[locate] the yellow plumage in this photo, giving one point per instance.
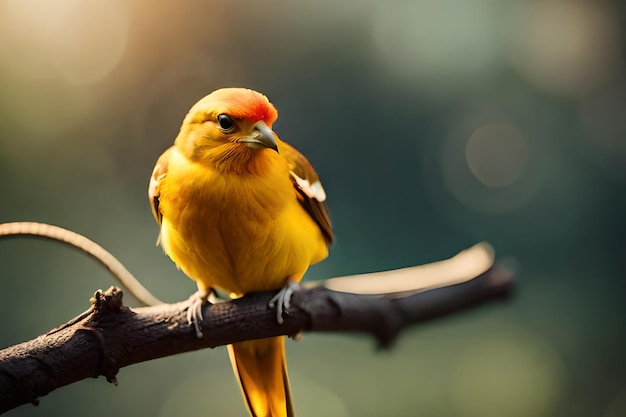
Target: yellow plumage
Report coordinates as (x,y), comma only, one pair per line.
(242,211)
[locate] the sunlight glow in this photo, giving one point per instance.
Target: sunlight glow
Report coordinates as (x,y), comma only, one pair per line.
(83,40)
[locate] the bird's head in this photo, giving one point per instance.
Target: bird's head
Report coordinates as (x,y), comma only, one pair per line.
(229,126)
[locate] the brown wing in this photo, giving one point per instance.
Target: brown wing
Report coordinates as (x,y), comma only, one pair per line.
(309,189)
(159,172)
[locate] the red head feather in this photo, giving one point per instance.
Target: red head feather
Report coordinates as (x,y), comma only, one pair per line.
(238,103)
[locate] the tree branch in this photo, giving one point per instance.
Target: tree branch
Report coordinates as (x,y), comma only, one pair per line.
(110,336)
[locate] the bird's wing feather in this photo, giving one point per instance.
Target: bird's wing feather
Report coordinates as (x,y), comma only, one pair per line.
(309,189)
(159,172)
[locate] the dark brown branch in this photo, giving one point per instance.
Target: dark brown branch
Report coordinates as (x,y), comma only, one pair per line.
(111,336)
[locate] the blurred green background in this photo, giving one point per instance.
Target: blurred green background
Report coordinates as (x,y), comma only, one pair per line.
(434,124)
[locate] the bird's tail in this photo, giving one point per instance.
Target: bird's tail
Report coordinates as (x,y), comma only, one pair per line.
(261,369)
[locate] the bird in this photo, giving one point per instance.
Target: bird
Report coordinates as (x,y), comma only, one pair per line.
(242,211)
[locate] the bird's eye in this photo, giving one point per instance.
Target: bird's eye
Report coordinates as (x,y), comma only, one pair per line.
(226,123)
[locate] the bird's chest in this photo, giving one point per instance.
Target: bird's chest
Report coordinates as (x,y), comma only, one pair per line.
(235,220)
(221,230)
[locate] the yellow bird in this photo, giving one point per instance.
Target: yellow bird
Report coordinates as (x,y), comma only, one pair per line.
(242,211)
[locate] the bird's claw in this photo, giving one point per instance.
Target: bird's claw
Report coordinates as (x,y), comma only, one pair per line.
(282,299)
(194,312)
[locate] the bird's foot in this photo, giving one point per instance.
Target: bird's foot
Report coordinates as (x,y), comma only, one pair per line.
(194,312)
(282,299)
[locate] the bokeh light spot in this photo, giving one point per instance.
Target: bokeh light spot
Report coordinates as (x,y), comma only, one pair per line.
(514,376)
(566,47)
(438,44)
(90,40)
(486,164)
(497,154)
(314,399)
(82,40)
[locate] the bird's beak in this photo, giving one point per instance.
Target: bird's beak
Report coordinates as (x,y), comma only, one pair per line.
(261,136)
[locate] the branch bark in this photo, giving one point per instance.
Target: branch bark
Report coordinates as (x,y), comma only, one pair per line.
(110,336)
